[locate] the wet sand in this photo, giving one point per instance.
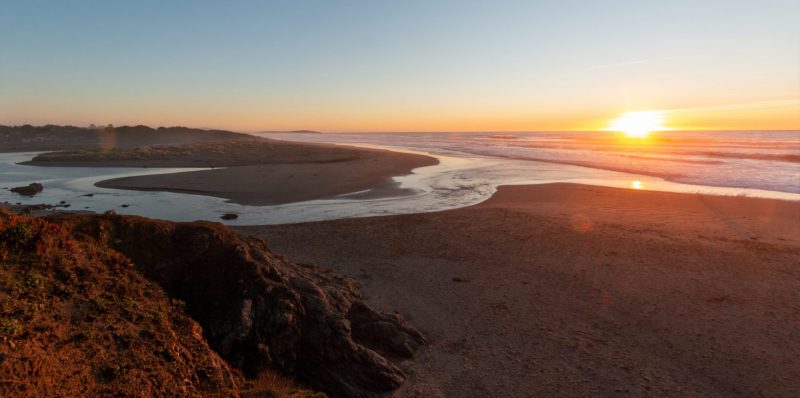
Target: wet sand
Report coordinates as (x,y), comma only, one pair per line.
(572,290)
(262,172)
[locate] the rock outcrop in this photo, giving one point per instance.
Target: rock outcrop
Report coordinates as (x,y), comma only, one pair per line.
(29,190)
(76,319)
(261,312)
(229,216)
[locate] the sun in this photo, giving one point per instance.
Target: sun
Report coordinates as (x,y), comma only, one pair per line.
(639,124)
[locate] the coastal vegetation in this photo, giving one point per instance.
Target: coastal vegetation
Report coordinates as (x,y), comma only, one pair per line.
(205,154)
(52,137)
(118,305)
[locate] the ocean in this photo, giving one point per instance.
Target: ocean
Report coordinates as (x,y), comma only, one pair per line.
(472,166)
(766,160)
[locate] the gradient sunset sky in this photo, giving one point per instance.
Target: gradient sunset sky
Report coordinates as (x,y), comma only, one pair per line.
(400,65)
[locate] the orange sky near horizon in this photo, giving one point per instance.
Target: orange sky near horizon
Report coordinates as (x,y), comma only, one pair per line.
(359,66)
(765,115)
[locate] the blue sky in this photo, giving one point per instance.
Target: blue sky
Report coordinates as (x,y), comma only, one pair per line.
(390,66)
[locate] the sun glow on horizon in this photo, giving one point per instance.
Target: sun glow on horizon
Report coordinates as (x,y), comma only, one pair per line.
(639,124)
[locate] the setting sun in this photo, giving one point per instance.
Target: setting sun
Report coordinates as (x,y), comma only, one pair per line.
(639,124)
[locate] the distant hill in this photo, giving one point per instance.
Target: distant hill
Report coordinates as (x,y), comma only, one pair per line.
(52,137)
(292,132)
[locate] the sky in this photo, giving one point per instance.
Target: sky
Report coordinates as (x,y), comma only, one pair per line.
(400,65)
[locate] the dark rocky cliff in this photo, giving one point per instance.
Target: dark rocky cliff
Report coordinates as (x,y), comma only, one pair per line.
(257,311)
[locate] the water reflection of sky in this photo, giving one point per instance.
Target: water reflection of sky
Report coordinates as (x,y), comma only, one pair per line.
(759,160)
(456,182)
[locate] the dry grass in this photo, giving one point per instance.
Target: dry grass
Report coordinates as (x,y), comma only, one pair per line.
(78,319)
(272,385)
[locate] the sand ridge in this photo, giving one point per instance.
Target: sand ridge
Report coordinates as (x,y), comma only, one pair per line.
(257,172)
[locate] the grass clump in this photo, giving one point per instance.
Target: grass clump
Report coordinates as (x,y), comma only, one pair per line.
(270,384)
(11,327)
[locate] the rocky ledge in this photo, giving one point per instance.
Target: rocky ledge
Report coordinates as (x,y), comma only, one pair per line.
(257,311)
